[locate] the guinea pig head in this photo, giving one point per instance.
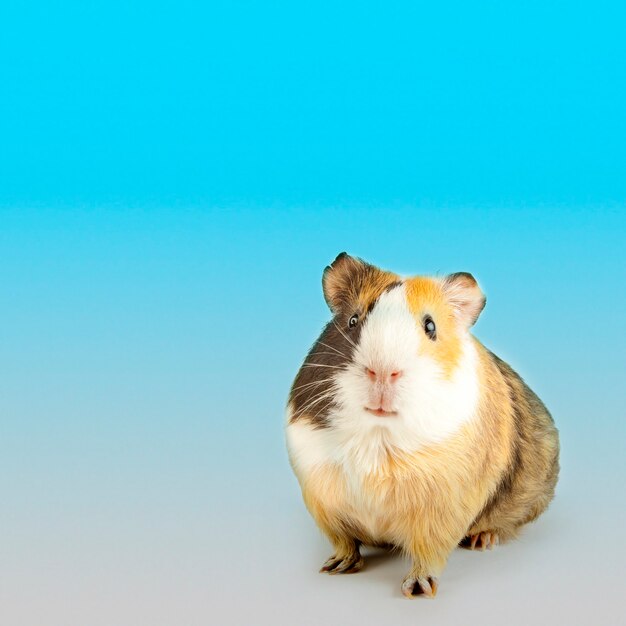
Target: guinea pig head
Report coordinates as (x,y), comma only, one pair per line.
(397,354)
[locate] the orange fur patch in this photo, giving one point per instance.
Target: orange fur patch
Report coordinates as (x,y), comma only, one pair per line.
(373,288)
(426,297)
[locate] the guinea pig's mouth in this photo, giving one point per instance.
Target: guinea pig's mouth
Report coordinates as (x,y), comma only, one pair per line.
(380,412)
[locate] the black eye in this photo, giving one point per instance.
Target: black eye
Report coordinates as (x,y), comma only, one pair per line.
(354,320)
(429,327)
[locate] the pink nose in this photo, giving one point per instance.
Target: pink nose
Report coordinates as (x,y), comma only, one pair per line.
(391,377)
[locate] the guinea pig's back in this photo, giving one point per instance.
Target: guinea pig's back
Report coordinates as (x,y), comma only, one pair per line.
(527,486)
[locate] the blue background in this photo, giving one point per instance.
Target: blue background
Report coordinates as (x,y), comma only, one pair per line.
(174,178)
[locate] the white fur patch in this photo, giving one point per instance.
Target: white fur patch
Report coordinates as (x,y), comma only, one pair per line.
(309,447)
(430,408)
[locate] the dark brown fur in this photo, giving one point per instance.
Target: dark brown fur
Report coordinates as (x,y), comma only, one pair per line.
(351,287)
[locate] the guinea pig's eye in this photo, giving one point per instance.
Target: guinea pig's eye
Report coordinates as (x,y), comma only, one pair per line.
(354,320)
(429,327)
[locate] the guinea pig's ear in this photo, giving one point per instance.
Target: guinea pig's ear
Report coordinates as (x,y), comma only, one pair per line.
(338,278)
(465,295)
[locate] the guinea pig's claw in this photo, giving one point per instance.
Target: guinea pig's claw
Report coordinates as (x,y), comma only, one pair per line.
(413,586)
(481,541)
(349,564)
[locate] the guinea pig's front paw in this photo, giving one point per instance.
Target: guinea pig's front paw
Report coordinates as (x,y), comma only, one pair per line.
(413,586)
(343,564)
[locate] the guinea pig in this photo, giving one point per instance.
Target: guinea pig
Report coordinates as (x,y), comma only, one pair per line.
(404,430)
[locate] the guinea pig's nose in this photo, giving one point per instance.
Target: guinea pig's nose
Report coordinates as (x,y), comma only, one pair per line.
(383,376)
(371,374)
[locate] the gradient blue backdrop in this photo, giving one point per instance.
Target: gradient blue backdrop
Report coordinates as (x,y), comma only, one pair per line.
(174,178)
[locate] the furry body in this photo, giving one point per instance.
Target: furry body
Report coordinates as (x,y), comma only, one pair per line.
(467,449)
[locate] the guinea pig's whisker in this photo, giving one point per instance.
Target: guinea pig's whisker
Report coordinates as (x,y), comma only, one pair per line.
(309,405)
(320,394)
(316,399)
(318,412)
(332,348)
(307,410)
(303,391)
(312,384)
(344,334)
(335,367)
(329,353)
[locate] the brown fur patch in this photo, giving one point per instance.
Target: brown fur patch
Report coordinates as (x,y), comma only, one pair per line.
(351,287)
(351,284)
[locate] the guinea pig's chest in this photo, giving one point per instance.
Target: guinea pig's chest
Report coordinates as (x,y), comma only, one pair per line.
(370,503)
(359,483)
(373,502)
